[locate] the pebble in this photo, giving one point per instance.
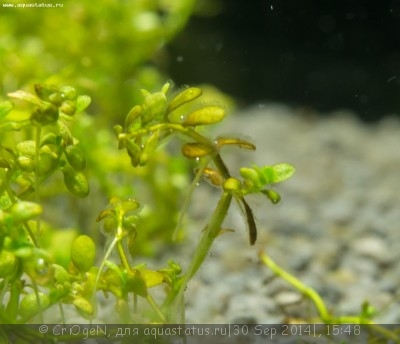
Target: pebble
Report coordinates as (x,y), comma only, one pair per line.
(336,227)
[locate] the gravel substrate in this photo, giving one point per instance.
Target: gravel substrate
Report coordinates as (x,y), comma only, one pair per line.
(336,228)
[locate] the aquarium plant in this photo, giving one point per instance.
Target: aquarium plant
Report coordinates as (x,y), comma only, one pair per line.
(34,279)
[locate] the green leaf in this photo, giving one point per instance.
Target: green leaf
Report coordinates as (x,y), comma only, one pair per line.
(50,138)
(278,173)
(129,204)
(150,146)
(272,195)
(30,305)
(8,264)
(212,176)
(76,182)
(68,107)
(184,97)
(154,106)
(82,102)
(133,120)
(48,92)
(48,161)
(250,175)
(152,278)
(26,163)
(5,108)
(114,267)
(26,96)
(221,141)
(68,92)
(26,148)
(133,151)
(60,274)
(24,211)
(136,283)
(83,253)
(75,157)
(206,115)
(46,114)
(194,150)
(84,307)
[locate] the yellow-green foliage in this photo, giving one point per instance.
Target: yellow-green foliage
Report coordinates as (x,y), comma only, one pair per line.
(100,47)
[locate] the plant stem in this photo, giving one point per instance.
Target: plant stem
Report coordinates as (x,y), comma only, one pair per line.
(210,233)
(203,164)
(191,133)
(122,255)
(37,181)
(300,286)
(155,307)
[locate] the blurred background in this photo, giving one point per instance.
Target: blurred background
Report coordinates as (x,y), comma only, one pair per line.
(321,55)
(326,55)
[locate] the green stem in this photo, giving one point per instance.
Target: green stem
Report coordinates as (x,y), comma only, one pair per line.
(191,133)
(122,255)
(60,307)
(103,263)
(300,286)
(210,233)
(155,307)
(37,181)
(324,315)
(203,165)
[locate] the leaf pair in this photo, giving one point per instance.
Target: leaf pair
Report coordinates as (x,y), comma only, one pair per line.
(256,178)
(50,103)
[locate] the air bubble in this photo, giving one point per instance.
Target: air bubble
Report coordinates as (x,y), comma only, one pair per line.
(41,267)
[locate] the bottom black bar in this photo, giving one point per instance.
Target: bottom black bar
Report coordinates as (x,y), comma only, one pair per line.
(196,334)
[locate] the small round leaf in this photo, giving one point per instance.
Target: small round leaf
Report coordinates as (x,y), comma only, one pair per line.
(24,211)
(76,182)
(30,305)
(26,148)
(194,150)
(68,107)
(84,307)
(278,173)
(206,115)
(82,102)
(8,264)
(68,92)
(75,157)
(83,253)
